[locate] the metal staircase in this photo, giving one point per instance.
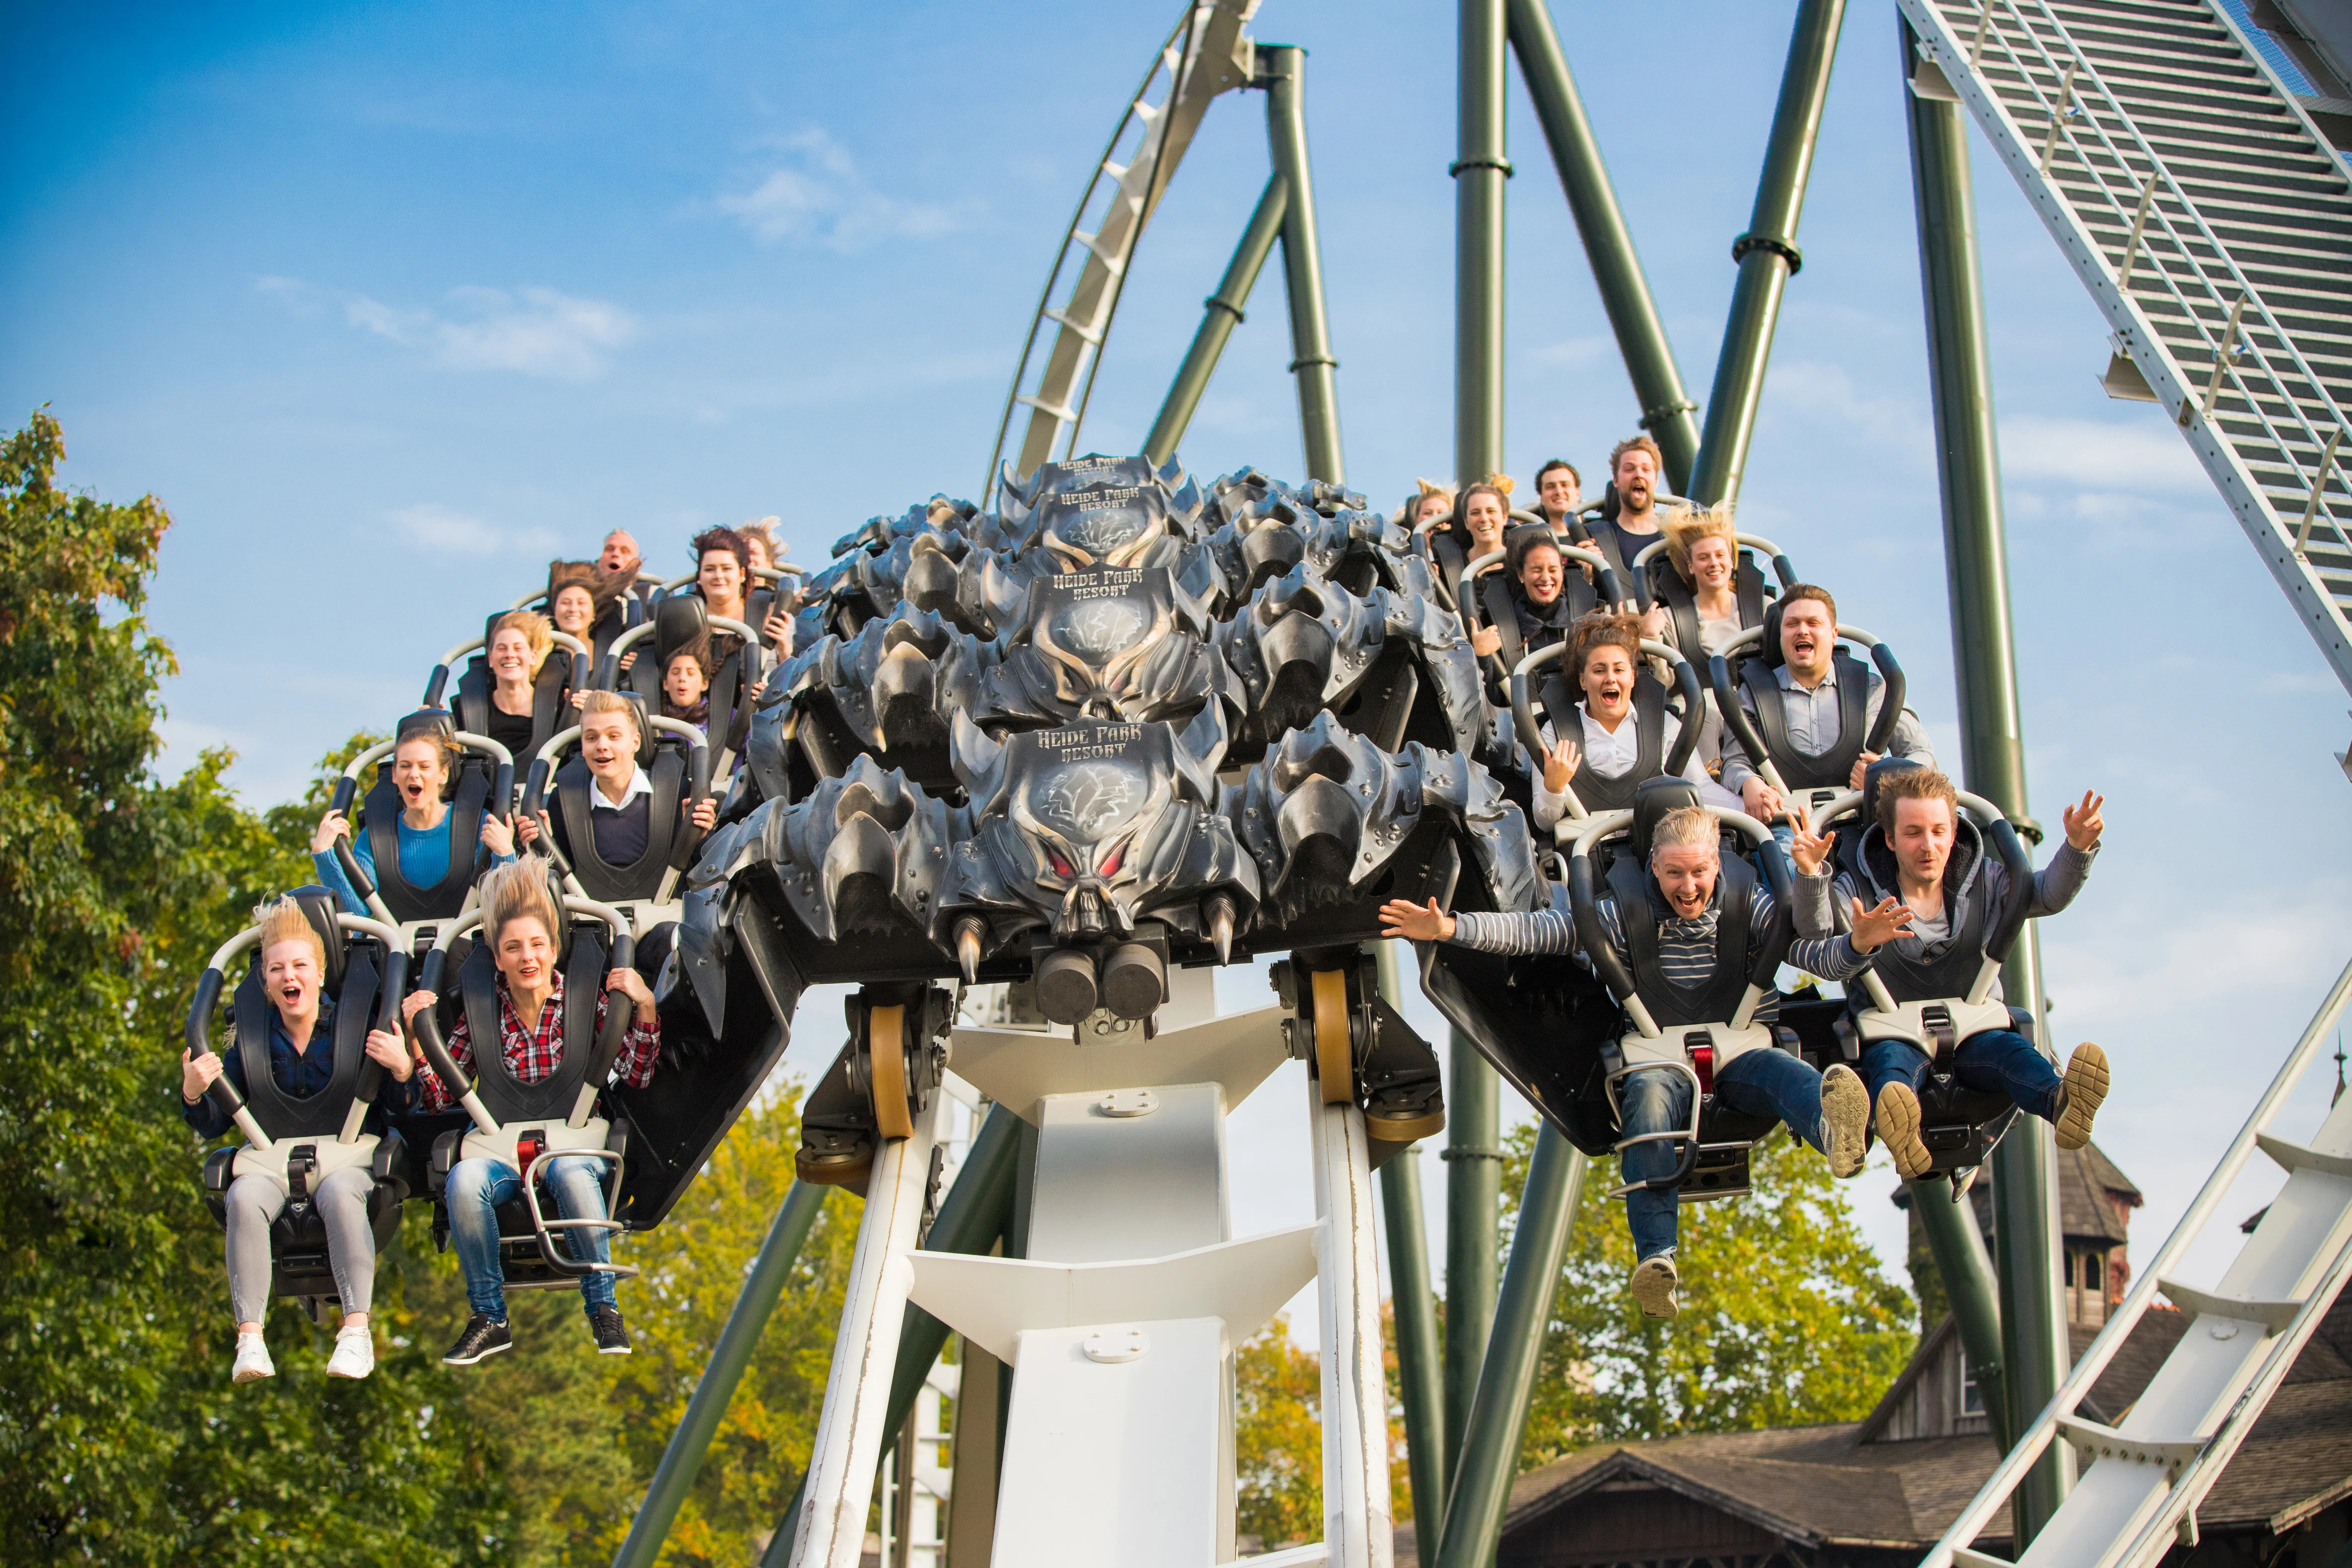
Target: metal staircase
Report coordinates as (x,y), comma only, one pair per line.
(2210,218)
(2147,1474)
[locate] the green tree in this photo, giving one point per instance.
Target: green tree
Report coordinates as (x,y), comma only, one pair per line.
(1787,1318)
(121,1439)
(1277,1439)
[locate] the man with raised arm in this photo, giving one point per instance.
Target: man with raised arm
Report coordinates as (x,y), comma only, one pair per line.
(1813,710)
(1674,946)
(1945,893)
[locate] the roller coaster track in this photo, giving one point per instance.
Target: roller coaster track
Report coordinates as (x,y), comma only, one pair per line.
(1205,54)
(2213,223)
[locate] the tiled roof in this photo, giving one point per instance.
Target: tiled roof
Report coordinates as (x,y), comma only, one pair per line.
(1825,1486)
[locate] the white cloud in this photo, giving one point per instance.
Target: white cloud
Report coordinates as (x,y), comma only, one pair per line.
(820,197)
(535,332)
(445,529)
(1572,352)
(2142,457)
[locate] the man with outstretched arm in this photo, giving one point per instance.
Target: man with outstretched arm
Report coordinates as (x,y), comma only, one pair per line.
(1678,941)
(1947,892)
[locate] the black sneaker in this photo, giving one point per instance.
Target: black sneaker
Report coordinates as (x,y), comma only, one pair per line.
(482,1338)
(612,1339)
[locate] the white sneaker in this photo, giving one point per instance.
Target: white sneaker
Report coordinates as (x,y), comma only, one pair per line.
(253,1362)
(354,1352)
(1654,1285)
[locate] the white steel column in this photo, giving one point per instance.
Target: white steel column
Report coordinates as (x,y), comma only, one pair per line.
(831,1530)
(1357,1530)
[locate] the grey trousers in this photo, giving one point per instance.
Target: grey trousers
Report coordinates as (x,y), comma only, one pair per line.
(254,1200)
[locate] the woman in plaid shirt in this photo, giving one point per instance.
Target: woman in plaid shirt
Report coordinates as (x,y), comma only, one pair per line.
(523,927)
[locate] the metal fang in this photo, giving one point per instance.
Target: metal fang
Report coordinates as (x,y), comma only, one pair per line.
(1221,927)
(967,949)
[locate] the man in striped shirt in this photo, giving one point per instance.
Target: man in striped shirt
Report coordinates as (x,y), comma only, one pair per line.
(1830,1110)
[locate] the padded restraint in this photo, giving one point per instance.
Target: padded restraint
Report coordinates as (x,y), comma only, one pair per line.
(1613,543)
(1638,908)
(1833,767)
(1681,602)
(1565,708)
(508,1098)
(352,979)
(641,877)
(443,900)
(1952,972)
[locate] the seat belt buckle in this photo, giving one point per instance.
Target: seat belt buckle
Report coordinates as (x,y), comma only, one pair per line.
(1939,1021)
(301,1164)
(1700,1046)
(528,1146)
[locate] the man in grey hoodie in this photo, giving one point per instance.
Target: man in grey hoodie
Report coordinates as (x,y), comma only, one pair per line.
(1921,853)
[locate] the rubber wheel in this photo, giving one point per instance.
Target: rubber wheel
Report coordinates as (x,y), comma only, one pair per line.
(885,1050)
(1405,1129)
(1335,1062)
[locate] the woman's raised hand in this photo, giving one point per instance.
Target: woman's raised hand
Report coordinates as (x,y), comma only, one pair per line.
(385,1049)
(196,1075)
(1415,922)
(1560,765)
(498,836)
(331,827)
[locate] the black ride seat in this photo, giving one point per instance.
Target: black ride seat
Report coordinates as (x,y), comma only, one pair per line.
(365,981)
(678,619)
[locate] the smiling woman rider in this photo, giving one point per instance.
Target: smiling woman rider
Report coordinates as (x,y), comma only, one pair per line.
(420,771)
(522,928)
(293,962)
(1624,730)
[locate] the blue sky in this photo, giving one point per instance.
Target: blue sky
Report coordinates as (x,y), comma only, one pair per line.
(388,303)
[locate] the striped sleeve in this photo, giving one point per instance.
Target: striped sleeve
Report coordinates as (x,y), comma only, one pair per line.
(1832,958)
(1519,935)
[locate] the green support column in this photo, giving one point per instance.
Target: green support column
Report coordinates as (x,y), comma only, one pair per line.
(1221,312)
(1967,1272)
(682,1460)
(1413,1303)
(1499,1414)
(1283,68)
(1666,408)
(1766,252)
(1473,1178)
(1992,750)
(978,1210)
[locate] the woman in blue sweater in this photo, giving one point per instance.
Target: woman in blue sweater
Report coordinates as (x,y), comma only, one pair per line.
(420,773)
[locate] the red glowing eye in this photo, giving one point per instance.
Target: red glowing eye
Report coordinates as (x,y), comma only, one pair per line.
(1111,866)
(1061,867)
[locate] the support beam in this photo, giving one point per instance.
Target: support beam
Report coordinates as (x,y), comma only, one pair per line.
(1413,1304)
(682,1460)
(1283,68)
(1221,312)
(1766,252)
(1499,1414)
(976,1211)
(1666,409)
(1968,461)
(1473,1181)
(1972,1289)
(1480,167)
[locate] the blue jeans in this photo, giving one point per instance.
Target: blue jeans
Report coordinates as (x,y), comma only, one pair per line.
(1997,1061)
(1761,1082)
(477,1188)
